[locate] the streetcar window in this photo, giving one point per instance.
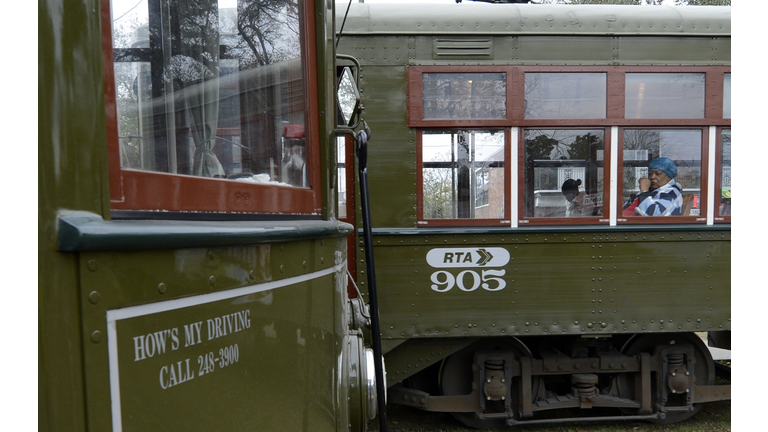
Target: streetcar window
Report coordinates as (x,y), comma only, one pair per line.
(463,174)
(212,90)
(555,95)
(727,96)
(681,146)
(554,158)
(724,208)
(664,95)
(452,96)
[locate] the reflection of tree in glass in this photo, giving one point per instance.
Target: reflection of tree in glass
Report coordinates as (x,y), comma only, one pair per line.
(558,145)
(642,139)
(438,193)
(126,94)
(464,96)
(269,31)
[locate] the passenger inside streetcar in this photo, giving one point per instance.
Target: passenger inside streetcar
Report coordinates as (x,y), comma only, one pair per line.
(579,204)
(660,194)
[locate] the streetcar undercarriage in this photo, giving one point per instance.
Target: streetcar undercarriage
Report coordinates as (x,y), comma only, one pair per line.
(500,382)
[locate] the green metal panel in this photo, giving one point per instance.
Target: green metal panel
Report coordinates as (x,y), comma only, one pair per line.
(559,283)
(573,50)
(383,19)
(71,174)
(644,50)
(287,322)
(383,91)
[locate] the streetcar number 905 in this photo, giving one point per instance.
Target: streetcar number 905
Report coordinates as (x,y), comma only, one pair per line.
(468,280)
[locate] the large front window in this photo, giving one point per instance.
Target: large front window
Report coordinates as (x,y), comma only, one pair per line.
(214,90)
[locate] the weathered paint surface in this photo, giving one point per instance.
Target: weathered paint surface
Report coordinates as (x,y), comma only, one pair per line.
(554,284)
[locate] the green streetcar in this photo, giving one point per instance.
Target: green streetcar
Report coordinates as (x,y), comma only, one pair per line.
(523,277)
(192,268)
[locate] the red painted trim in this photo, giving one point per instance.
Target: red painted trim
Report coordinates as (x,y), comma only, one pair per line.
(146,190)
(312,113)
(349,174)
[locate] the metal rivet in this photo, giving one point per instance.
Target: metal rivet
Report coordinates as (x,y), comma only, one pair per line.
(161,288)
(212,280)
(92,266)
(96,336)
(94,297)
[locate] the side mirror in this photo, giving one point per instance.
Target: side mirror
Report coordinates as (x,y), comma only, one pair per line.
(348,98)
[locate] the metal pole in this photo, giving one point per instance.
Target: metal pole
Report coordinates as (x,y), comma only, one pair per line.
(362,161)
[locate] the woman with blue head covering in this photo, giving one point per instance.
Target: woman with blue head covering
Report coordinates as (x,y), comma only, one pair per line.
(660,194)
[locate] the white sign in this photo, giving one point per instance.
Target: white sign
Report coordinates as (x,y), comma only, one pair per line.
(468,257)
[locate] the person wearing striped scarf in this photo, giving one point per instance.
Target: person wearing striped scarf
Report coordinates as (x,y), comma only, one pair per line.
(660,194)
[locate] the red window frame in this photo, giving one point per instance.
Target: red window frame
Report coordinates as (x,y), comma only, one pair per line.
(615,111)
(607,199)
(701,218)
(504,221)
(132,189)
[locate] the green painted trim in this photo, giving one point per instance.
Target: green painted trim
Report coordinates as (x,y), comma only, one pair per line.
(547,229)
(88,232)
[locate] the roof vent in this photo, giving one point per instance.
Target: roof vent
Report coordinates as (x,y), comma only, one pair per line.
(460,48)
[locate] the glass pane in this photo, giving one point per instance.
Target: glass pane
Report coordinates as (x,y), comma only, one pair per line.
(725,176)
(565,95)
(341,166)
(222,96)
(664,95)
(563,173)
(670,186)
(727,96)
(464,96)
(463,174)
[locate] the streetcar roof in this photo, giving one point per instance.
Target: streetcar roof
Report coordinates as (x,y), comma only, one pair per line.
(534,19)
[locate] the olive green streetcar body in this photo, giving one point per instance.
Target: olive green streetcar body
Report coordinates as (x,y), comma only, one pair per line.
(189,322)
(573,315)
(555,282)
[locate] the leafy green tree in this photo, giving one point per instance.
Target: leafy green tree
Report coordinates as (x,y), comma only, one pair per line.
(438,194)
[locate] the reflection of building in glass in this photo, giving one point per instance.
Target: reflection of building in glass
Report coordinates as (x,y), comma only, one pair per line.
(463,174)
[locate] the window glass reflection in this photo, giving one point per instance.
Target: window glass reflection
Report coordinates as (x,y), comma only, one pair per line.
(563,172)
(463,174)
(664,95)
(681,149)
(464,96)
(724,209)
(220,93)
(727,96)
(565,95)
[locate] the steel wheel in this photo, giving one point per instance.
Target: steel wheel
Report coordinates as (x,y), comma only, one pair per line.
(704,369)
(456,375)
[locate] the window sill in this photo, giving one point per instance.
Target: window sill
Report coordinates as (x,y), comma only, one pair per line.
(87,232)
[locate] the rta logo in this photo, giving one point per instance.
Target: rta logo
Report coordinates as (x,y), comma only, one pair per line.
(467,257)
